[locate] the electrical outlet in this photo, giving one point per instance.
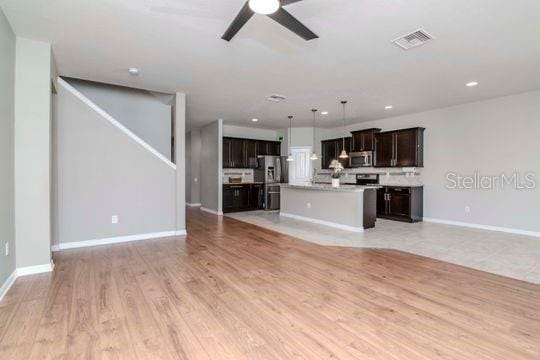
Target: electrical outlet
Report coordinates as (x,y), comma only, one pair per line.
(467,209)
(196,180)
(7,249)
(114,219)
(308,205)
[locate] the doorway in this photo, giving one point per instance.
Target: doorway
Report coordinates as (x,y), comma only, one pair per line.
(300,170)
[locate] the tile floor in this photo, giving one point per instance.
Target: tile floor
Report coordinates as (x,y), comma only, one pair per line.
(509,255)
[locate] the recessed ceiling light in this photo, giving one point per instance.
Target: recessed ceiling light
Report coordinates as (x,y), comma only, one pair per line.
(324,113)
(254,120)
(133,71)
(472,84)
(388,107)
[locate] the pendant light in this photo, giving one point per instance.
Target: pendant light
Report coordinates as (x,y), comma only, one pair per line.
(314,155)
(290,157)
(343,154)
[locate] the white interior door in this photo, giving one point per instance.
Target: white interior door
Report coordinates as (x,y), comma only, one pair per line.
(300,169)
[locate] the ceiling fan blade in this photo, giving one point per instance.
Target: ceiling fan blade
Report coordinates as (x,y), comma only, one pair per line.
(291,23)
(287,2)
(239,21)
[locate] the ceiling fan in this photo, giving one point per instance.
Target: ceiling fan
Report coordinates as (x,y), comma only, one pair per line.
(274,10)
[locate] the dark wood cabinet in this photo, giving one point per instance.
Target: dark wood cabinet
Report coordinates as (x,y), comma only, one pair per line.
(400,148)
(229,195)
(363,140)
(400,203)
(330,150)
(238,153)
(251,152)
(328,153)
(384,149)
(242,197)
(242,153)
(257,196)
(274,148)
(227,160)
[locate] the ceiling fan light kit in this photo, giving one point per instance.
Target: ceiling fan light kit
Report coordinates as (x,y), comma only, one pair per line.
(274,10)
(265,7)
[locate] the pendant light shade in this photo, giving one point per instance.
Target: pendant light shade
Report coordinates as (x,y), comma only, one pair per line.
(314,155)
(290,157)
(343,154)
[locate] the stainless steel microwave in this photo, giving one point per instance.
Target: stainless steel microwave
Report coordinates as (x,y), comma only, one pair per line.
(361,159)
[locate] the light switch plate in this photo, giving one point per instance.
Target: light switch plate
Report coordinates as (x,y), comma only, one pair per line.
(114,219)
(7,249)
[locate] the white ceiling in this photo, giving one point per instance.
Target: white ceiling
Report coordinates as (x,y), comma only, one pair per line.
(177,45)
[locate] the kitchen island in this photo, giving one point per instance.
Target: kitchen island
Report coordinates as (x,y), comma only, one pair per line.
(349,207)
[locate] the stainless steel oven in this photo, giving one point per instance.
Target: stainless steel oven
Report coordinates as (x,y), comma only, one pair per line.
(361,159)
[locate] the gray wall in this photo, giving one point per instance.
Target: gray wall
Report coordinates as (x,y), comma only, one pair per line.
(211,157)
(33,152)
(249,133)
(101,172)
(493,137)
(7,118)
(147,115)
(193,167)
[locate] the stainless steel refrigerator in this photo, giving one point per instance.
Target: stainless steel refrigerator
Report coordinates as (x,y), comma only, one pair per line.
(272,170)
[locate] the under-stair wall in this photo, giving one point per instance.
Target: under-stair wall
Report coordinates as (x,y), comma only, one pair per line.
(103,170)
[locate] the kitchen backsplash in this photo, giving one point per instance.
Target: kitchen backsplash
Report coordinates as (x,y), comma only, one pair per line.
(387,176)
(245,174)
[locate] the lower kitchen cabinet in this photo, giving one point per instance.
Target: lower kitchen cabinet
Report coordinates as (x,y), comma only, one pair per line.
(242,197)
(400,203)
(257,196)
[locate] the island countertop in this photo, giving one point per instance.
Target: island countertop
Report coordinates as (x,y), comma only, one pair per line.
(328,187)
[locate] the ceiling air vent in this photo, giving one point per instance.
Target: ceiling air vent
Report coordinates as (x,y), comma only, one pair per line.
(413,39)
(276,98)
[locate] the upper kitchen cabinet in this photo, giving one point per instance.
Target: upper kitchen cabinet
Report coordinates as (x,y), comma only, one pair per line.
(363,140)
(272,148)
(242,153)
(330,150)
(251,152)
(400,148)
(227,147)
(234,153)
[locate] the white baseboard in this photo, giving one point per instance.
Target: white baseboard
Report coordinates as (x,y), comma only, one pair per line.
(322,222)
(484,227)
(7,284)
(219,213)
(194,205)
(24,271)
(36,269)
(117,239)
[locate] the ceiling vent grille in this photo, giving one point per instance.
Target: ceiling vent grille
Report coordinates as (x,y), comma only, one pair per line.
(276,98)
(414,39)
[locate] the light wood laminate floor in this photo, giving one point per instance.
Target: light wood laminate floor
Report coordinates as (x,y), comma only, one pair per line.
(237,291)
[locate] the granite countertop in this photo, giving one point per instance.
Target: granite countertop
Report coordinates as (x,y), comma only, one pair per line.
(402,185)
(379,185)
(325,187)
(246,183)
